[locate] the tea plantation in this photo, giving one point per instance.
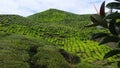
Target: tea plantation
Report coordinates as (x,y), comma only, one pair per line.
(50,39)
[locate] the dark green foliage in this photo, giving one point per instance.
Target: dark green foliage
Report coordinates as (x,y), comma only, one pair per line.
(112,53)
(113,5)
(98,35)
(69,57)
(109,39)
(13,54)
(113,27)
(16,50)
(49,57)
(118,64)
(113,16)
(98,20)
(117,0)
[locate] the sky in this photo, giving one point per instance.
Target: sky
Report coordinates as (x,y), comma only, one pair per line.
(29,7)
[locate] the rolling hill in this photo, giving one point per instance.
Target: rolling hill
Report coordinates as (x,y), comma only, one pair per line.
(15,19)
(53,15)
(50,39)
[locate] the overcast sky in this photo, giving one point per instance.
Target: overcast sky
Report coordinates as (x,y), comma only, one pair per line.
(29,7)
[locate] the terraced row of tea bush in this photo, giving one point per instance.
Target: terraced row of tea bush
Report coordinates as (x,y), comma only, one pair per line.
(17,51)
(6,20)
(60,36)
(88,51)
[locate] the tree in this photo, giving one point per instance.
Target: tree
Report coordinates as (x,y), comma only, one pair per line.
(110,21)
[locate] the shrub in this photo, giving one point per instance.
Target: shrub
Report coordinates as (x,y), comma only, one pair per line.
(49,57)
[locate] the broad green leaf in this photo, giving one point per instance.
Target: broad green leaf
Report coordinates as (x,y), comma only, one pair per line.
(99,21)
(109,39)
(102,10)
(118,44)
(113,5)
(117,0)
(118,27)
(98,35)
(118,64)
(94,22)
(113,16)
(112,27)
(112,53)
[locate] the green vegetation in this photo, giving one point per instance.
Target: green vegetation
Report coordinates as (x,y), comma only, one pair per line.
(24,52)
(112,23)
(50,39)
(54,15)
(49,57)
(6,20)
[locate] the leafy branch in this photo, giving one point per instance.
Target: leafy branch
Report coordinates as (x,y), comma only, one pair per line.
(110,21)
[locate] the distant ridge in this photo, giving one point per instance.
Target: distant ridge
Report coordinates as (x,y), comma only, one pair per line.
(53,15)
(52,10)
(58,10)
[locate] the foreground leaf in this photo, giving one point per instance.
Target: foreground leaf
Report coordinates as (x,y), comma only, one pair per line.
(100,21)
(98,35)
(117,28)
(113,5)
(112,27)
(118,64)
(111,53)
(109,39)
(117,0)
(102,10)
(118,44)
(94,22)
(113,16)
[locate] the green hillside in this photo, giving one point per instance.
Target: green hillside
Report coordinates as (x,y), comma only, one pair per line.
(59,16)
(18,51)
(53,15)
(50,39)
(15,19)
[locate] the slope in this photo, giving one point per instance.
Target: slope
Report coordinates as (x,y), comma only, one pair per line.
(18,51)
(55,15)
(62,29)
(67,31)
